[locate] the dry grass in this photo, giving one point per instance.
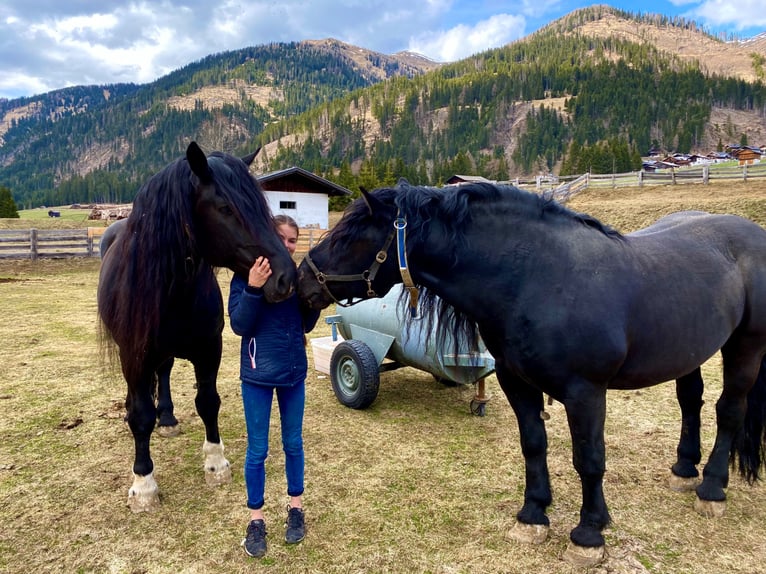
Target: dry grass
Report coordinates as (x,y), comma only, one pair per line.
(414,484)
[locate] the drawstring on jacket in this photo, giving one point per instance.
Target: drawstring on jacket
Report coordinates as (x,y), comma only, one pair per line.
(251,352)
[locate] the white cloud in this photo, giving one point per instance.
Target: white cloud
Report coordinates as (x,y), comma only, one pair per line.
(19,83)
(462,41)
(47,44)
(741,15)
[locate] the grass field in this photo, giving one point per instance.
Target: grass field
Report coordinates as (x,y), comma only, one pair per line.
(413,484)
(38,218)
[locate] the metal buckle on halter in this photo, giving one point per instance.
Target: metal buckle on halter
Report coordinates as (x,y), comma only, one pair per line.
(366,279)
(381,257)
(400,223)
(320,277)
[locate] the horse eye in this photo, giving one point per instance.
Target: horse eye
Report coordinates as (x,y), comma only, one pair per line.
(226,210)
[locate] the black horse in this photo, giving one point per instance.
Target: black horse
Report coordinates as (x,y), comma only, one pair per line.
(158,297)
(571,308)
(167,423)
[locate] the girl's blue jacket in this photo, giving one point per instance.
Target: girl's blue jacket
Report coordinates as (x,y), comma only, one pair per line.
(273,350)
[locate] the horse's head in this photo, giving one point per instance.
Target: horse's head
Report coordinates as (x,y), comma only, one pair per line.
(357,259)
(232,221)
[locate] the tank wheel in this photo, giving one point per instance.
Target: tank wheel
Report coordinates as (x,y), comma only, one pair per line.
(354,374)
(478,408)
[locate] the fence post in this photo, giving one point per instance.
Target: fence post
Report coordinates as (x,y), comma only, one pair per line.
(641,178)
(744,172)
(705,174)
(33,243)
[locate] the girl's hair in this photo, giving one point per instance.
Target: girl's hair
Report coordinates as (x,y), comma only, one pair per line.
(282,219)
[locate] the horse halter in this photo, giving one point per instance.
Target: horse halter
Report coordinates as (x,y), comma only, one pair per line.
(368,275)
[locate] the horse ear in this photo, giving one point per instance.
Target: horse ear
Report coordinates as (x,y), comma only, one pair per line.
(368,199)
(375,206)
(248,159)
(198,162)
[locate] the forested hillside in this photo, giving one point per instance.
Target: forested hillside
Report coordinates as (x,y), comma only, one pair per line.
(521,109)
(98,143)
(570,98)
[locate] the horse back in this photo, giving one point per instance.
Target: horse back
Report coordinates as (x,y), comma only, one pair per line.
(702,277)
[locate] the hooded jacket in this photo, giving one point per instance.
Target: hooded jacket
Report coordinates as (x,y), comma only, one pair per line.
(272,351)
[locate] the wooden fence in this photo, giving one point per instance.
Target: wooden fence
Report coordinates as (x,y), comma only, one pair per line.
(38,243)
(567,186)
(61,243)
(48,243)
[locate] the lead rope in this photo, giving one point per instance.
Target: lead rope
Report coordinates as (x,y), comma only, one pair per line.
(400,224)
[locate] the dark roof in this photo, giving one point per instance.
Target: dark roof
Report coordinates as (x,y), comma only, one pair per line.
(298,179)
(457,178)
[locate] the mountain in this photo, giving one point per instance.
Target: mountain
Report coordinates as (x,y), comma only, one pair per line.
(124,133)
(593,90)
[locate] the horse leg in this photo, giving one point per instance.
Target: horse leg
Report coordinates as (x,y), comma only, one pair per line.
(208,403)
(684,473)
(167,424)
(143,495)
(532,524)
(740,369)
(586,413)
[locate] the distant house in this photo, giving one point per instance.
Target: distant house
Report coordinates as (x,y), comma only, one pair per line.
(458,179)
(745,155)
(677,159)
(718,156)
(654,165)
(748,155)
(300,194)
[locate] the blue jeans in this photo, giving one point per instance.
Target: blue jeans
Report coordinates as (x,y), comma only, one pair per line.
(257,401)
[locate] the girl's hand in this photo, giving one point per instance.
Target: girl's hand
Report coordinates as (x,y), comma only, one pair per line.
(259,273)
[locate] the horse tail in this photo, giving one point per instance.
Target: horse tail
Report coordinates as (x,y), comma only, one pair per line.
(750,448)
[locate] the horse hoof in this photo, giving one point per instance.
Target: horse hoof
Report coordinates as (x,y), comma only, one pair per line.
(218,477)
(143,503)
(144,495)
(710,508)
(683,483)
(168,431)
(217,469)
(529,533)
(584,556)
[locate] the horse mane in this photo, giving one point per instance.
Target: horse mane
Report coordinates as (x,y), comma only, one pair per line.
(420,205)
(158,254)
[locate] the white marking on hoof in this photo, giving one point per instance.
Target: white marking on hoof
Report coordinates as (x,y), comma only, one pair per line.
(217,469)
(528,533)
(584,556)
(682,483)
(144,495)
(169,431)
(710,508)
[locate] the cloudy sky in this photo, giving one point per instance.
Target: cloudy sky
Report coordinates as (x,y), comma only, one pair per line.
(50,44)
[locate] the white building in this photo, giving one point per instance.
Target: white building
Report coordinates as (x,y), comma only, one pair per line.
(300,194)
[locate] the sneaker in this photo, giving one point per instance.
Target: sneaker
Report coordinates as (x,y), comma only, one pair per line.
(255,541)
(296,526)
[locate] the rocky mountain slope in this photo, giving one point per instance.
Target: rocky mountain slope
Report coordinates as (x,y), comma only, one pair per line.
(251,97)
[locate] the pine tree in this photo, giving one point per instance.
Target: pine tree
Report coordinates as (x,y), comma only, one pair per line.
(7,205)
